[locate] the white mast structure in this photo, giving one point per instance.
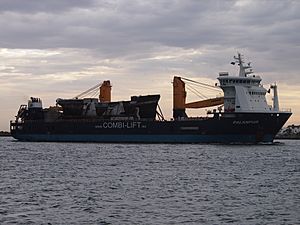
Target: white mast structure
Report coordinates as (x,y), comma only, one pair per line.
(275,97)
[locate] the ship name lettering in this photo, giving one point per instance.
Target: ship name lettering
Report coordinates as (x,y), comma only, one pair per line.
(120,125)
(245,122)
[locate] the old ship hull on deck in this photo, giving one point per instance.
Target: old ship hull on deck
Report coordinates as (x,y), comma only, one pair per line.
(222,128)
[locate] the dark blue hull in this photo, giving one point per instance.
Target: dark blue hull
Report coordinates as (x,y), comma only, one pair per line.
(268,138)
(223,128)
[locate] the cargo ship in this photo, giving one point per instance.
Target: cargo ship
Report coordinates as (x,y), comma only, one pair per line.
(242,115)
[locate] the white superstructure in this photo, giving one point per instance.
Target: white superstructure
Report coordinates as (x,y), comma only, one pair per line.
(245,93)
(35,103)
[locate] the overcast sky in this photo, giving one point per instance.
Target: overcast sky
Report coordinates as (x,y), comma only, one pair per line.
(59,48)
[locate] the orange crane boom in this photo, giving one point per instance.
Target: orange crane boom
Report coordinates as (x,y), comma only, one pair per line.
(179,98)
(205,103)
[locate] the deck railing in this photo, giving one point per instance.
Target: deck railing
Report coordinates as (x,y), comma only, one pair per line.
(285,110)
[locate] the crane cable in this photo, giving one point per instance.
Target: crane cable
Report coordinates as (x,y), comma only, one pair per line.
(190,82)
(208,86)
(92,90)
(196,92)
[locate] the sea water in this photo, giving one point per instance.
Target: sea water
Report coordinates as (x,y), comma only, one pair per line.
(84,183)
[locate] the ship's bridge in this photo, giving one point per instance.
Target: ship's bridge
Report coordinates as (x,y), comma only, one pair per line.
(226,80)
(245,93)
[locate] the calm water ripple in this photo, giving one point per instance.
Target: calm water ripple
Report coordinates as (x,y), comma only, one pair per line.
(70,183)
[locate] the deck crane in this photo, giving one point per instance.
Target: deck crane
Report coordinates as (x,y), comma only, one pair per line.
(179,98)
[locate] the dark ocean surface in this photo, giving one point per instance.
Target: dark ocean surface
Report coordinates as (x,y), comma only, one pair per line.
(71,183)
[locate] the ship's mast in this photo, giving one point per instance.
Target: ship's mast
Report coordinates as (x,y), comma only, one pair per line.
(243,68)
(275,97)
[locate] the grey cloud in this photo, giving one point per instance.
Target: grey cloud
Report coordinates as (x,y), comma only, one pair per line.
(137,29)
(173,23)
(34,6)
